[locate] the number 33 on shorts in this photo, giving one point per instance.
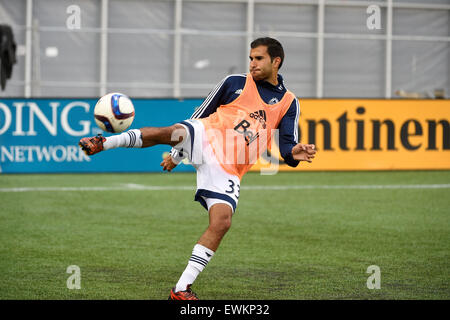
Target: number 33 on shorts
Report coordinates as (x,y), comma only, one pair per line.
(233,188)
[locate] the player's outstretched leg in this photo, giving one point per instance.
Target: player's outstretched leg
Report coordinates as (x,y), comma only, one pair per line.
(219,223)
(136,138)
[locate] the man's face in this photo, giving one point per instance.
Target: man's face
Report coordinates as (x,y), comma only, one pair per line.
(261,66)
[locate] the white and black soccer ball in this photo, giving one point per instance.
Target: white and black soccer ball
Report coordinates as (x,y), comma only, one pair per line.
(114,112)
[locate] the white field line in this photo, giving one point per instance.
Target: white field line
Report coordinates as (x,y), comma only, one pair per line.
(141,187)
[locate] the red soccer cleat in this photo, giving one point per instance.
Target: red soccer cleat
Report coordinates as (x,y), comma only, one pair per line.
(187,294)
(92,145)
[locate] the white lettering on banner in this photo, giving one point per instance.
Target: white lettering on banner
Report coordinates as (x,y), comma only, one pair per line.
(50,123)
(56,153)
(51,127)
(73,152)
(65,122)
(20,157)
(8,117)
(42,153)
(18,131)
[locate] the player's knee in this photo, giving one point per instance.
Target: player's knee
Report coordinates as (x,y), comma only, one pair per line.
(225,224)
(221,227)
(221,221)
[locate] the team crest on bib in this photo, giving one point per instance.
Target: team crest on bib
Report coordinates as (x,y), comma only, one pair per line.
(273,101)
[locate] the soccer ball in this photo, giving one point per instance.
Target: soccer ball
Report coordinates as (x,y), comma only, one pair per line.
(114,112)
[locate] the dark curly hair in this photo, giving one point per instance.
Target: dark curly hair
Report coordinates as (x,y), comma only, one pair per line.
(274,47)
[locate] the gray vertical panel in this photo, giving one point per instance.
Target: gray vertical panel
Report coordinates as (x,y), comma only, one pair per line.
(320,48)
(421,22)
(13,12)
(140,58)
(178,11)
(28,48)
(141,14)
(208,59)
(135,91)
(295,18)
(103,72)
(250,25)
(77,60)
(354,68)
(425,1)
(298,68)
(53,13)
(351,20)
(78,50)
(388,52)
(371,1)
(69,91)
(419,66)
(214,16)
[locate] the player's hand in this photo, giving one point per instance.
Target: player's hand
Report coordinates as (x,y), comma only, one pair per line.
(168,164)
(304,152)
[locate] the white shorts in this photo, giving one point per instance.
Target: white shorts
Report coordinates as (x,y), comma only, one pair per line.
(214,184)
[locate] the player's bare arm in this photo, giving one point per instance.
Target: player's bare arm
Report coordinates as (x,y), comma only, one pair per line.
(304,152)
(165,135)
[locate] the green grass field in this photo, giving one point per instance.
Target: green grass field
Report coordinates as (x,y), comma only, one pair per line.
(294,236)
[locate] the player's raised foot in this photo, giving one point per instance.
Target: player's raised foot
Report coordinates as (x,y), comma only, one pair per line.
(92,145)
(187,294)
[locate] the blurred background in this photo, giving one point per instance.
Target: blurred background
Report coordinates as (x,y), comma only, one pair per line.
(181,48)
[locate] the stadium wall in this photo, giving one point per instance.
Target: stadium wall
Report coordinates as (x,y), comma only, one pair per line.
(41,135)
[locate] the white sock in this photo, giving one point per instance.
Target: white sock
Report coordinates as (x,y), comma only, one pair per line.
(198,261)
(128,139)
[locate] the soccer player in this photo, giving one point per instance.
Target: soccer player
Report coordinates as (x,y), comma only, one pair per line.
(223,138)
